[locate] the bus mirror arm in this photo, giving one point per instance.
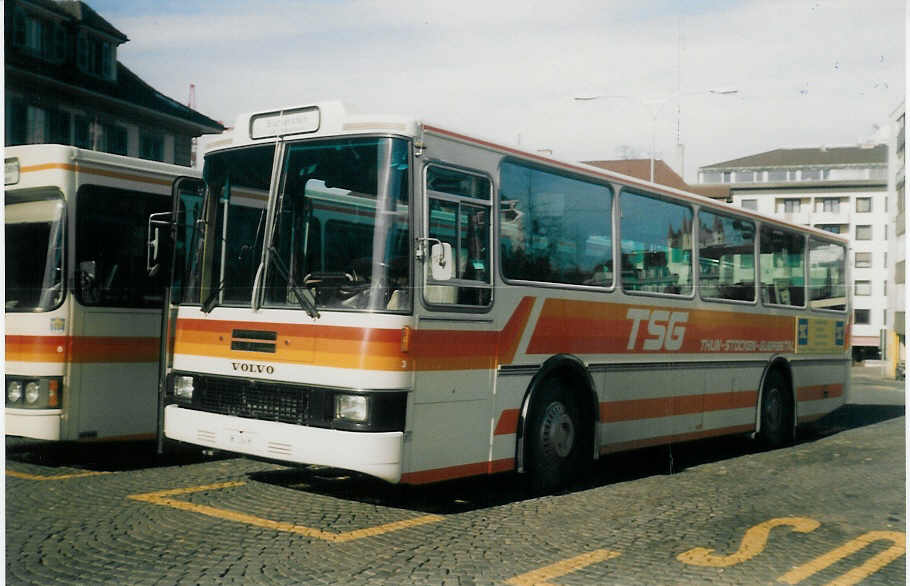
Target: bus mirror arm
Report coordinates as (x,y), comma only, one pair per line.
(154,243)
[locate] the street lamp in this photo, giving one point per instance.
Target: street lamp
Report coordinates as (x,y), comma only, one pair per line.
(655,105)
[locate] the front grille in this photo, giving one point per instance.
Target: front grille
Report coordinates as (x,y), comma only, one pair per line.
(258,400)
(289,403)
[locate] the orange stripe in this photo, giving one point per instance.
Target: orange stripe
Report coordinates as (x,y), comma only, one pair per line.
(94,171)
(819,392)
(462,471)
(669,439)
(594,327)
(362,348)
(508,422)
(635,409)
(81,349)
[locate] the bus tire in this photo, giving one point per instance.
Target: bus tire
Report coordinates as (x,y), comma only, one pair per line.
(776,411)
(554,439)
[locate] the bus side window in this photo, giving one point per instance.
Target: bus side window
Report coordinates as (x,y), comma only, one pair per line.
(782,267)
(656,240)
(458,211)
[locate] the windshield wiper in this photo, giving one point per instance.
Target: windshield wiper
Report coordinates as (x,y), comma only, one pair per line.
(212,300)
(304,297)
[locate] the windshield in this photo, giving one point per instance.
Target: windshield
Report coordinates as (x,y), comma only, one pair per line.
(341,234)
(342,225)
(34,250)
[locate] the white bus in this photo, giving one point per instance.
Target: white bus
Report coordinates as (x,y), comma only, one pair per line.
(386,296)
(83,316)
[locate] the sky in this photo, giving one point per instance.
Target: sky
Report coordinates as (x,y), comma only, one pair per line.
(806,73)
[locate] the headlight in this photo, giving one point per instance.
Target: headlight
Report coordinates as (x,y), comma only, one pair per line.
(32,392)
(183,387)
(351,407)
(14,391)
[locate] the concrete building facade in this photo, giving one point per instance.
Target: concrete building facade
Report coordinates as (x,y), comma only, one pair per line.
(843,190)
(895,326)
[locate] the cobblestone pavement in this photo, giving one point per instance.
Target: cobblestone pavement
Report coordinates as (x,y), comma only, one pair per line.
(717,511)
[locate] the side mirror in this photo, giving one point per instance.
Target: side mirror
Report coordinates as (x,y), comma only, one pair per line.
(442,264)
(155,244)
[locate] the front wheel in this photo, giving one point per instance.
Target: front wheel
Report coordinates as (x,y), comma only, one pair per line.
(776,412)
(554,440)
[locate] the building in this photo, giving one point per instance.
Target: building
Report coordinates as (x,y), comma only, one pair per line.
(839,189)
(895,335)
(65,85)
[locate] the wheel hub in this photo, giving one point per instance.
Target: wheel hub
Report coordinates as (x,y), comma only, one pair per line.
(557,431)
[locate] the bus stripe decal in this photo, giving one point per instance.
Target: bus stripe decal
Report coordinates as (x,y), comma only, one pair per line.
(460,471)
(364,348)
(94,171)
(81,349)
(819,392)
(635,409)
(594,327)
(680,437)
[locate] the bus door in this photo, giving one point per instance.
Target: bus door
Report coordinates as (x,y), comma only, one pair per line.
(117,316)
(455,348)
(169,236)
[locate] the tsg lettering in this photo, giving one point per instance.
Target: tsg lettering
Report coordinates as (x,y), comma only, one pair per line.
(253,368)
(664,331)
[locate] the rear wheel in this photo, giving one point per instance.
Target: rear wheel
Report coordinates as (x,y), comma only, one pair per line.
(555,439)
(776,411)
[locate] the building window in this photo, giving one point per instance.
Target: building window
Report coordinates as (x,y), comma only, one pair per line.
(82,132)
(745,176)
(885,287)
(863,260)
(863,288)
(864,232)
(830,205)
(899,273)
(114,139)
(728,177)
(861,317)
(749,204)
(40,37)
(833,228)
(96,56)
(151,146)
(811,174)
(776,175)
(791,206)
(711,177)
(863,204)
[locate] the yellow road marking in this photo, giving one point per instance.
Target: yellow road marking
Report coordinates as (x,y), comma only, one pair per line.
(753,543)
(26,476)
(163,498)
(540,576)
(872,565)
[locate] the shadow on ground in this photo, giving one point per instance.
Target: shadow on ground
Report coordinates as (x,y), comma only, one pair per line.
(102,456)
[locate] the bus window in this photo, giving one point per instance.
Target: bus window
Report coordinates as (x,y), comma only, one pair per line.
(555,229)
(726,250)
(34,250)
(782,267)
(341,227)
(226,255)
(827,275)
(459,213)
(656,245)
(111,248)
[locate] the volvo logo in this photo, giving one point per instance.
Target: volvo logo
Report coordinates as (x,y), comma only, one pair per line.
(253,368)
